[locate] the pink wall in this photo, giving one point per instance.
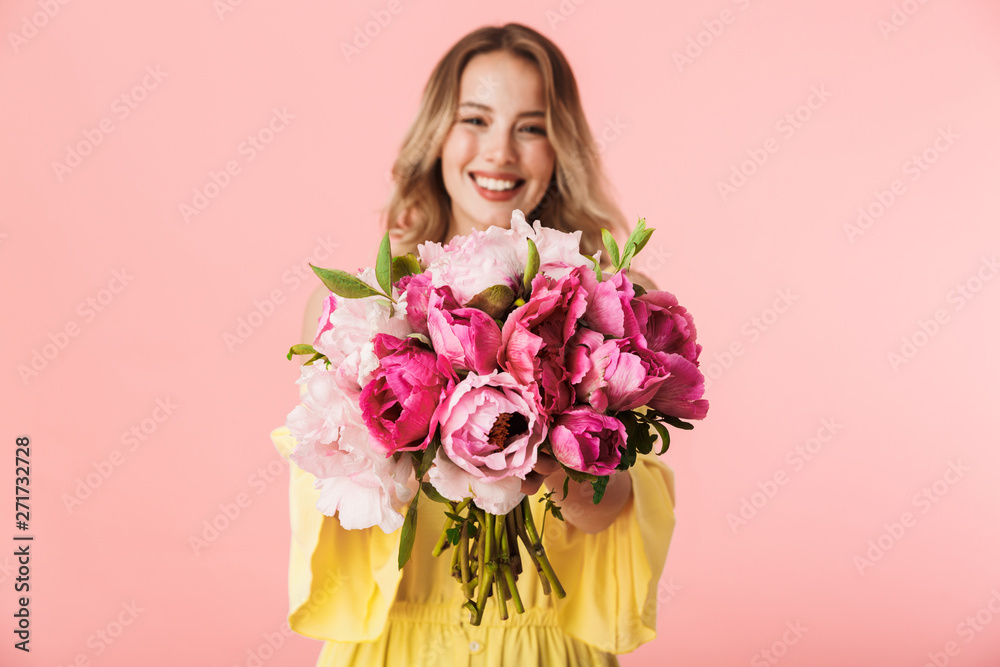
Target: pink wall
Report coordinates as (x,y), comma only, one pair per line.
(799,307)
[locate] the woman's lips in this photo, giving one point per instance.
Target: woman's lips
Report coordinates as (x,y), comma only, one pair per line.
(497,195)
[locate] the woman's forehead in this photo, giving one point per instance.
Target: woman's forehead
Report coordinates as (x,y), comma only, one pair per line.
(499,80)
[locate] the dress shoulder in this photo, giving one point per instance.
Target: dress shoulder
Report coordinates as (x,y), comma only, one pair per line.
(333,573)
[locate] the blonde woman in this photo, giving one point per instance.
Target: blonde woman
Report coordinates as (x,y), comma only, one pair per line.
(500,127)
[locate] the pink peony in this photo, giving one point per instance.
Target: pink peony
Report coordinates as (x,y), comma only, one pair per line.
(613,375)
(666,326)
(491,427)
(609,305)
(681,394)
(403,393)
(361,486)
(536,334)
(558,252)
(419,291)
(588,441)
(472,263)
(465,339)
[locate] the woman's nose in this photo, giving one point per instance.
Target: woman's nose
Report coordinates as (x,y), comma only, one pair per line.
(500,148)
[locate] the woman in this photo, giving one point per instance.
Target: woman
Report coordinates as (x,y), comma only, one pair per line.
(500,128)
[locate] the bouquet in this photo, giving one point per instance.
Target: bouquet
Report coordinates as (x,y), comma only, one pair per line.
(448,372)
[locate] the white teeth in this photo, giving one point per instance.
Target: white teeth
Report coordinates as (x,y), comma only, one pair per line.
(494,184)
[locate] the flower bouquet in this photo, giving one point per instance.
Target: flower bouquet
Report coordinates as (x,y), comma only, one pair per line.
(446,373)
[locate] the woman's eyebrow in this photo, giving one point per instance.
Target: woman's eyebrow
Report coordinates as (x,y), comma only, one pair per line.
(484,107)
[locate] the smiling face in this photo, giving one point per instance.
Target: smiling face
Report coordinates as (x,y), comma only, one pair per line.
(497,156)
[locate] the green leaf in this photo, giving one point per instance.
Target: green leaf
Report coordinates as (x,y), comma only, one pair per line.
(454,535)
(612,246)
(637,428)
(664,436)
(600,486)
(409,532)
(494,301)
(407,265)
(639,230)
(643,240)
(597,268)
(578,476)
(531,270)
(432,493)
(565,487)
(428,457)
(344,284)
(454,517)
(627,257)
(301,348)
(676,423)
(315,357)
(383,265)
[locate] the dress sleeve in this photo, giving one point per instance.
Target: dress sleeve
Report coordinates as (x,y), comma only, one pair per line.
(611,577)
(341,583)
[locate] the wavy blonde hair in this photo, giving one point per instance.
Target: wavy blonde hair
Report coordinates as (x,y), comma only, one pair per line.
(577,198)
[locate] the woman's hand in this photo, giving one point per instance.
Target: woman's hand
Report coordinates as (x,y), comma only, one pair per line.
(578,508)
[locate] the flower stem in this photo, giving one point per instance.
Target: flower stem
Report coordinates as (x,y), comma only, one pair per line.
(510,584)
(443,542)
(536,544)
(463,548)
(512,544)
(523,534)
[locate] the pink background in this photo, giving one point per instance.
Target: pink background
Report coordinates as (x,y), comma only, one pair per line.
(813,306)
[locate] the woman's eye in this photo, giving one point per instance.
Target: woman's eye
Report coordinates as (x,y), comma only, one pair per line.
(472,121)
(535,129)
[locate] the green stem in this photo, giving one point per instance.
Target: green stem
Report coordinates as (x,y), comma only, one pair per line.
(443,542)
(515,549)
(463,547)
(512,586)
(536,544)
(523,534)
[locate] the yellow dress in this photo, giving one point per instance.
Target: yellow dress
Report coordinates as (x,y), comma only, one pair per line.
(344,586)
